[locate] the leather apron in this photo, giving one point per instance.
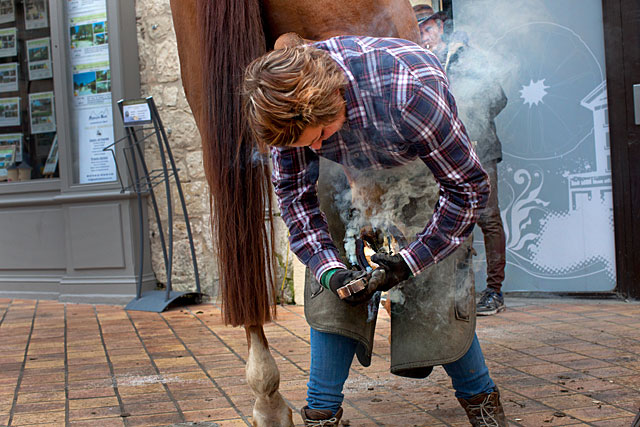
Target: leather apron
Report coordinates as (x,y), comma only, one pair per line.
(433,313)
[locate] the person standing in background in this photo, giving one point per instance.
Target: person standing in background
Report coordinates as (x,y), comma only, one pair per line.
(480,99)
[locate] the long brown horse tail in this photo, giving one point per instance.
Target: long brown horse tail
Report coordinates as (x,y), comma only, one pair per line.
(238,177)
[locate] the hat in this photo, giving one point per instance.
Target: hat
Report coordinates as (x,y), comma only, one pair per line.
(440,16)
(422,11)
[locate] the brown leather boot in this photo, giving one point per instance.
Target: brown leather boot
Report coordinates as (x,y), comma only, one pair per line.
(485,410)
(319,417)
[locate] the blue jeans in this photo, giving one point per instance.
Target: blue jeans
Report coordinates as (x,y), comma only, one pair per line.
(331,357)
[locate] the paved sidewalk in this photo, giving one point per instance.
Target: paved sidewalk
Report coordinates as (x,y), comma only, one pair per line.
(558,362)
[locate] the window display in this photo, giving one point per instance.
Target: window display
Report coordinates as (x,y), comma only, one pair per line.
(27,104)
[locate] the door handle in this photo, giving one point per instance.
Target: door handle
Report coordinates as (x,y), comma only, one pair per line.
(636,102)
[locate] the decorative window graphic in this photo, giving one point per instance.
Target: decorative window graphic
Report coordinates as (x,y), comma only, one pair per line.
(555,178)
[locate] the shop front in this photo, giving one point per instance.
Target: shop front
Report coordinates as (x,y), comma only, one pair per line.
(68,231)
(566,181)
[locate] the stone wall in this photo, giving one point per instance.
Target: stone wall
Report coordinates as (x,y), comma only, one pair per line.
(160,78)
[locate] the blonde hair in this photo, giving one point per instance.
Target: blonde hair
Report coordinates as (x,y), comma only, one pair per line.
(287,90)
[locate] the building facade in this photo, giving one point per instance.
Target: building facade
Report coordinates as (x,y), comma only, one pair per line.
(70,233)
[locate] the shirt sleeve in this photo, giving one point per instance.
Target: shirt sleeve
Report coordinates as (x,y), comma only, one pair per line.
(295,177)
(429,121)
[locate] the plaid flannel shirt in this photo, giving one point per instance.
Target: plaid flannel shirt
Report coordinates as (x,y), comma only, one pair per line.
(398,108)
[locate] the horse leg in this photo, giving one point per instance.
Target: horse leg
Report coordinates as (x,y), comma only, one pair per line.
(270,409)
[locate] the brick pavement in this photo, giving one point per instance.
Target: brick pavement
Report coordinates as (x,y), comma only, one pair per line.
(558,362)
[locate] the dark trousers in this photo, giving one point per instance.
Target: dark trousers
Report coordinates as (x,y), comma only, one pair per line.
(490,223)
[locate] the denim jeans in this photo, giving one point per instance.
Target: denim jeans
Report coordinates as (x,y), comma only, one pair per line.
(331,357)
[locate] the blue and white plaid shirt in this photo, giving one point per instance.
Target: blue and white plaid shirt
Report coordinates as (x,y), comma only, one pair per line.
(398,108)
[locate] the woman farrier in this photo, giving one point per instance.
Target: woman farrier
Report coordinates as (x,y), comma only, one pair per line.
(369,104)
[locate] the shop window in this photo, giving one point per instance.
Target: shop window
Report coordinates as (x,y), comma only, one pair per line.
(28,141)
(55,57)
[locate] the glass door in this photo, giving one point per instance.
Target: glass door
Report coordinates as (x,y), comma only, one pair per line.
(555,177)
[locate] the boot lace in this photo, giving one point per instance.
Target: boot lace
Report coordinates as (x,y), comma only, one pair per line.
(321,423)
(484,412)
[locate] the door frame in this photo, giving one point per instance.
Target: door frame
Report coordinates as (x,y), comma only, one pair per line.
(621,19)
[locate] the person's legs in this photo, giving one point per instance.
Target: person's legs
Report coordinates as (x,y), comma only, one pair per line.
(469,374)
(475,390)
(491,299)
(490,223)
(331,357)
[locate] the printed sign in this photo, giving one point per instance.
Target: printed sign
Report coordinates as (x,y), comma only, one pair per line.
(35,14)
(135,113)
(13,139)
(39,58)
(42,112)
(52,159)
(8,45)
(7,11)
(9,77)
(7,154)
(9,111)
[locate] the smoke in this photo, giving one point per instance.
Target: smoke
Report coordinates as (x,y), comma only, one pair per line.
(485,24)
(387,200)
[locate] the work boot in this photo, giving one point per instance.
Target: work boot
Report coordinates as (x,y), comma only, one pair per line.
(485,410)
(320,417)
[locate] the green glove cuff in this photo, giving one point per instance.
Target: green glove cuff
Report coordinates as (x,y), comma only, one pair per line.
(326,276)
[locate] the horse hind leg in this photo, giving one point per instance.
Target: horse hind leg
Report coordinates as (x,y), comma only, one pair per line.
(270,409)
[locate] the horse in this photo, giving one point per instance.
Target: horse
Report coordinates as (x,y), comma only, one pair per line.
(216,40)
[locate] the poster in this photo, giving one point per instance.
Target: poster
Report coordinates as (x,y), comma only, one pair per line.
(91,108)
(52,159)
(8,45)
(10,111)
(88,35)
(7,153)
(9,77)
(92,84)
(42,112)
(7,11)
(39,58)
(35,14)
(13,139)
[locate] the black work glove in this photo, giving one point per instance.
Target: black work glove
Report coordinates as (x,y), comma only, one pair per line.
(342,277)
(395,267)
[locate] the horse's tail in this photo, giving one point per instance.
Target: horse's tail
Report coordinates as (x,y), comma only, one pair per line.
(238,178)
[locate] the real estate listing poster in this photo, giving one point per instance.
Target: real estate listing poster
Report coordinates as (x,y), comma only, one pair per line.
(42,112)
(7,11)
(9,77)
(15,140)
(39,58)
(35,14)
(8,42)
(10,111)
